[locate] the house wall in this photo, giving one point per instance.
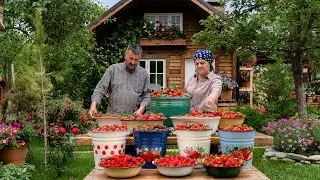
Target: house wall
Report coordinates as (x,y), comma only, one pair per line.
(175,56)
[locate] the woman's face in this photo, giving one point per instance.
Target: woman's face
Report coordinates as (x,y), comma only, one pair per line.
(202,67)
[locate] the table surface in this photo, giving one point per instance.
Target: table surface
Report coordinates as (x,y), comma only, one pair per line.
(198,174)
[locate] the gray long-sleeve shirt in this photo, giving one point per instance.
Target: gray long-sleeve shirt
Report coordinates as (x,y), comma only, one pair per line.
(127,91)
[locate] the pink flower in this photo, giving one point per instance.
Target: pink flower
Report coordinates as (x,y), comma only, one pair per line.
(23,143)
(5,141)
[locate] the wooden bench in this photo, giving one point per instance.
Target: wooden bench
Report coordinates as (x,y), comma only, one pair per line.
(198,174)
(260,140)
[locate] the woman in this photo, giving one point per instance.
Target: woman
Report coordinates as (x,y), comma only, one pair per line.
(204,86)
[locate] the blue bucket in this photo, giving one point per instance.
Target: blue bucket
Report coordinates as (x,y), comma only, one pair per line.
(239,144)
(150,145)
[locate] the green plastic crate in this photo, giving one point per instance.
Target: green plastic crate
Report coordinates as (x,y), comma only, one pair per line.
(170,106)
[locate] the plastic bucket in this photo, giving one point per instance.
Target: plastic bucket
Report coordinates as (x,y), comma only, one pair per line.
(150,145)
(239,144)
(194,144)
(107,144)
(170,106)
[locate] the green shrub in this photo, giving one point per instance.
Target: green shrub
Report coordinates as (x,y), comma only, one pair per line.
(273,90)
(316,133)
(13,172)
(254,118)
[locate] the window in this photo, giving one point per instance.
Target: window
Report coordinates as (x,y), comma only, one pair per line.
(167,19)
(156,69)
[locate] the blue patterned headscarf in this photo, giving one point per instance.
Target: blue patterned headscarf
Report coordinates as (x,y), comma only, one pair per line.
(203,54)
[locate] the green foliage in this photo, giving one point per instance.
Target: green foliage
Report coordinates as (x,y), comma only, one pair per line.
(13,172)
(283,30)
(60,155)
(316,133)
(254,118)
(273,90)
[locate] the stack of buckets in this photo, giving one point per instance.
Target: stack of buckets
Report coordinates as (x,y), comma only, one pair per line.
(149,143)
(107,144)
(238,144)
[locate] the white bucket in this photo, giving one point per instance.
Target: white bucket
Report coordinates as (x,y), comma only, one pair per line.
(107,144)
(198,141)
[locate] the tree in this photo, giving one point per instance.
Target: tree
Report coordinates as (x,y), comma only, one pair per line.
(287,30)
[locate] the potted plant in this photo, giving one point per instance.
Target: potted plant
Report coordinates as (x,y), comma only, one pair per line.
(316,87)
(15,133)
(227,87)
(245,78)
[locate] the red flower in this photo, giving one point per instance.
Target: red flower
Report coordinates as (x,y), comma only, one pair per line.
(160,34)
(75,130)
(170,33)
(62,130)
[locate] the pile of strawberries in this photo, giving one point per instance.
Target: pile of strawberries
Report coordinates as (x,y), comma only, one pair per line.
(149,116)
(110,128)
(149,156)
(121,161)
(107,115)
(169,93)
(151,127)
(222,161)
(200,113)
(238,128)
(175,161)
(192,127)
(232,115)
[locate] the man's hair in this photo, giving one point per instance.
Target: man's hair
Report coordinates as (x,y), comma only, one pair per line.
(135,48)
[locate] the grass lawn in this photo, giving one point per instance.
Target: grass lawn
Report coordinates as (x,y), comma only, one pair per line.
(83,163)
(281,170)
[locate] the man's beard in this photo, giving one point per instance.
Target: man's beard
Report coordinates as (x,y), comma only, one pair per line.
(130,68)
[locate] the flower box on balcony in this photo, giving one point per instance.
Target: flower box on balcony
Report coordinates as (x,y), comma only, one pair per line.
(163,42)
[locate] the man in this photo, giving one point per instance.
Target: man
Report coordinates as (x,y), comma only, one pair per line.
(127,85)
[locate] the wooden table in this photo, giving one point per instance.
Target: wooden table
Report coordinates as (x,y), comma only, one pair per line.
(198,174)
(260,140)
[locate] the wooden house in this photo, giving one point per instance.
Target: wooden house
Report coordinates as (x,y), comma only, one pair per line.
(169,61)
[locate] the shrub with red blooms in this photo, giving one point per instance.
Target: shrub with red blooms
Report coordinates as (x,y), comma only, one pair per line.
(121,161)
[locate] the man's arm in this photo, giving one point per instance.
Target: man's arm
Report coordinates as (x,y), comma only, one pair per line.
(145,97)
(100,90)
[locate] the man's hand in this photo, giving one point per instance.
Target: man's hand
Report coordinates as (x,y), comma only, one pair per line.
(140,111)
(93,109)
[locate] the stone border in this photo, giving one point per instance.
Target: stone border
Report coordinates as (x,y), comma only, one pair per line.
(297,159)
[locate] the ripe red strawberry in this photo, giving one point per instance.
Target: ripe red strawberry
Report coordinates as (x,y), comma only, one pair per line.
(175,161)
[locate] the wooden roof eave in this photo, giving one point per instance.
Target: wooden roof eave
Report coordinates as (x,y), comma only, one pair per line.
(117,7)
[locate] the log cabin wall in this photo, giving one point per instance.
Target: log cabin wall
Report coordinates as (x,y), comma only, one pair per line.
(175,56)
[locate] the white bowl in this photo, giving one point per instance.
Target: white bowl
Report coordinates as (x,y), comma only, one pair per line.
(212,122)
(175,171)
(102,121)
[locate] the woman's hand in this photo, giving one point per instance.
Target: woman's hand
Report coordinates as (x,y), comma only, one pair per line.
(211,100)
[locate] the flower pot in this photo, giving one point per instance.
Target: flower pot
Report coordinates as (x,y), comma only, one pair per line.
(194,144)
(108,144)
(239,144)
(150,143)
(318,98)
(226,94)
(13,156)
(226,122)
(309,99)
(245,84)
